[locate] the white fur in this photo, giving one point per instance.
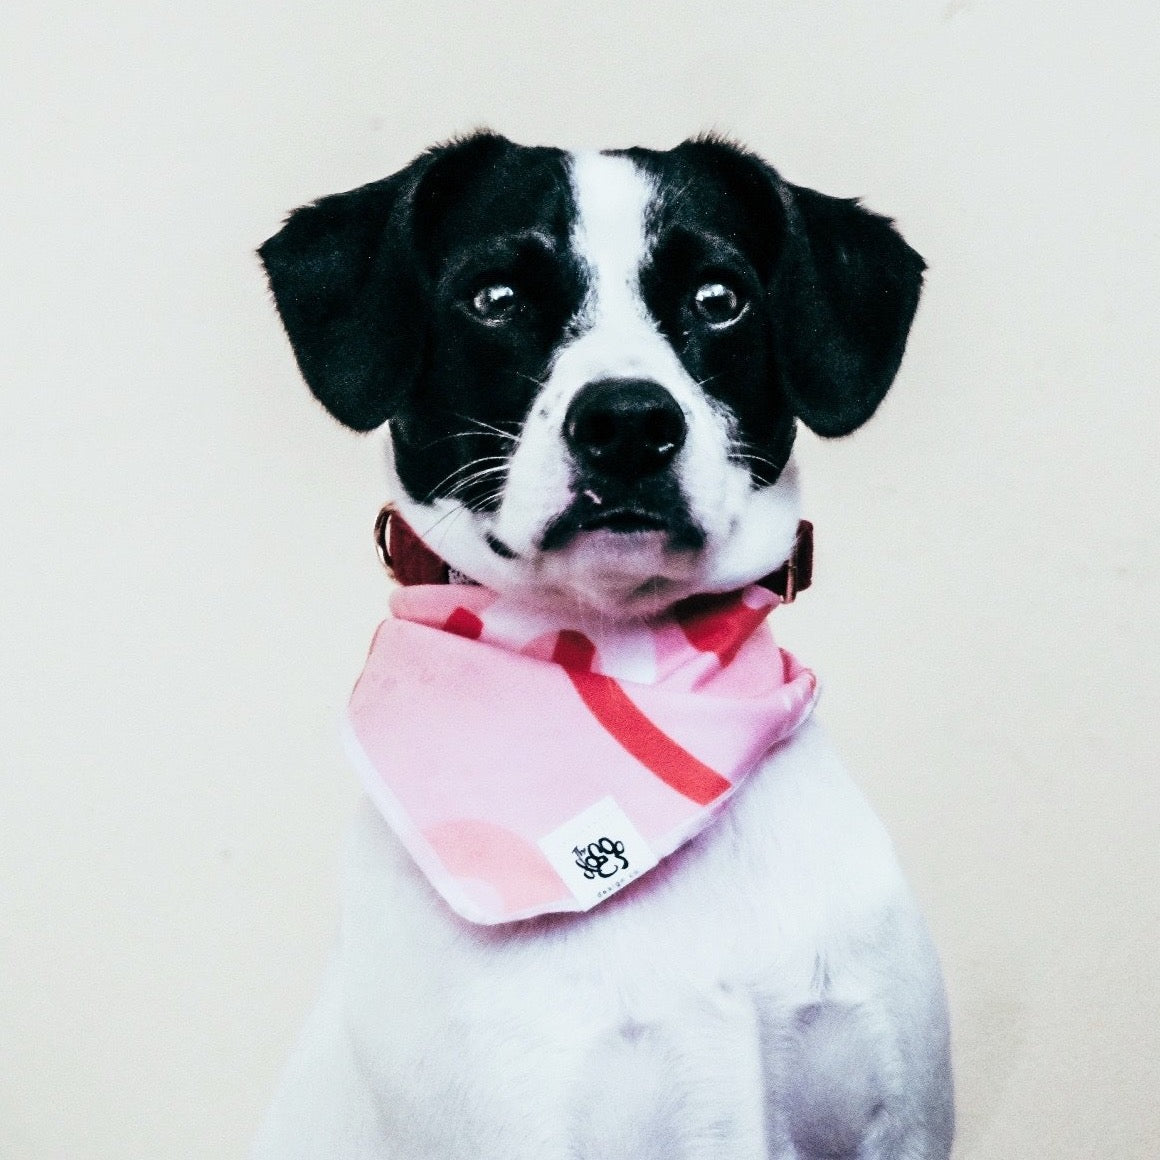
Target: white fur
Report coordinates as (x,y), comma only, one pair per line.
(770,992)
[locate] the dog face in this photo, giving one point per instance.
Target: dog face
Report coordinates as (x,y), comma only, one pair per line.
(591,366)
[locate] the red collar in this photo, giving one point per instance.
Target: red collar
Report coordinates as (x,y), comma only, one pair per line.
(410,561)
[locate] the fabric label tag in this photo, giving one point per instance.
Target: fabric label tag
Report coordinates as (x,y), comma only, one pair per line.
(598,852)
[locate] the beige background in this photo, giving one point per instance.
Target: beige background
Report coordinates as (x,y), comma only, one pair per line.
(188,586)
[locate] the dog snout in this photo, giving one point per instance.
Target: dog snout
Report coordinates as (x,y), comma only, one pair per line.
(627,428)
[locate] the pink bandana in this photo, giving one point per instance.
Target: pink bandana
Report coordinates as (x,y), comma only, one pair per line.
(533,762)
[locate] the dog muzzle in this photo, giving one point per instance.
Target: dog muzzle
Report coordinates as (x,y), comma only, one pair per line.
(537,761)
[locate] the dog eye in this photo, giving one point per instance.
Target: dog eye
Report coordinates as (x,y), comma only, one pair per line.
(718,304)
(494,303)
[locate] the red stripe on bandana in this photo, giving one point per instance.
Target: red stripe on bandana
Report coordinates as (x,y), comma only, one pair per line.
(464,623)
(708,627)
(623,721)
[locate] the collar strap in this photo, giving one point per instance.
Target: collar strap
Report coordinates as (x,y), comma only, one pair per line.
(409,561)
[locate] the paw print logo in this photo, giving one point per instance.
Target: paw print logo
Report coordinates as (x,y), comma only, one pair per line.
(601,859)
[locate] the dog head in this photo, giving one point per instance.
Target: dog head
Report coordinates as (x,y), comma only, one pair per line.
(590,366)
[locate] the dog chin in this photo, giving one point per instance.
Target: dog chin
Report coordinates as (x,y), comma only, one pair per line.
(620,575)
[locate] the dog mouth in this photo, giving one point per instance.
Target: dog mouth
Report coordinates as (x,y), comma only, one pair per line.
(624,523)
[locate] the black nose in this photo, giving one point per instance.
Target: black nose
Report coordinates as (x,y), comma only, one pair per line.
(629,428)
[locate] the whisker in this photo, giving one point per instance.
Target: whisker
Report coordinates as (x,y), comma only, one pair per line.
(489,428)
(481,505)
(479,472)
(477,477)
(460,490)
(467,467)
(455,511)
(758,459)
(458,435)
(751,454)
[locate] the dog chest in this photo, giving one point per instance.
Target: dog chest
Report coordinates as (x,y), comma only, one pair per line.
(697,1000)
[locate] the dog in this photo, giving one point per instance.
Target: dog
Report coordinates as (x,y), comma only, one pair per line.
(589,369)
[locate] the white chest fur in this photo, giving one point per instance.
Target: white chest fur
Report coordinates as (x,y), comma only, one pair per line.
(768,992)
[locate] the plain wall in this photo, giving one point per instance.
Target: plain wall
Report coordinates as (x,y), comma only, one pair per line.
(188,586)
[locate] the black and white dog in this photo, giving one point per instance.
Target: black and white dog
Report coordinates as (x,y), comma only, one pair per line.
(589,368)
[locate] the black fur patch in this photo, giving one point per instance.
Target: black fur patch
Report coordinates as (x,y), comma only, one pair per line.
(832,288)
(375,288)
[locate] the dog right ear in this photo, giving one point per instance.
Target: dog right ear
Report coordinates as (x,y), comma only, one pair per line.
(347,284)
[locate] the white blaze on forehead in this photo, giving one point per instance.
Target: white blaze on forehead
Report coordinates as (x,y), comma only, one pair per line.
(612,202)
(619,338)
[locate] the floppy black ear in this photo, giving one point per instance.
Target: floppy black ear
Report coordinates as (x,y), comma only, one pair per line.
(347,284)
(844,294)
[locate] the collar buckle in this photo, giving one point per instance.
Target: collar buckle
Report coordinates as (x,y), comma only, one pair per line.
(797,573)
(405,557)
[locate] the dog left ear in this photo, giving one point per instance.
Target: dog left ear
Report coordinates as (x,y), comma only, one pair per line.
(346,286)
(350,285)
(843,296)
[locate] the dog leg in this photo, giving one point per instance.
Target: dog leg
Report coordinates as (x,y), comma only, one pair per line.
(685,1083)
(324,1108)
